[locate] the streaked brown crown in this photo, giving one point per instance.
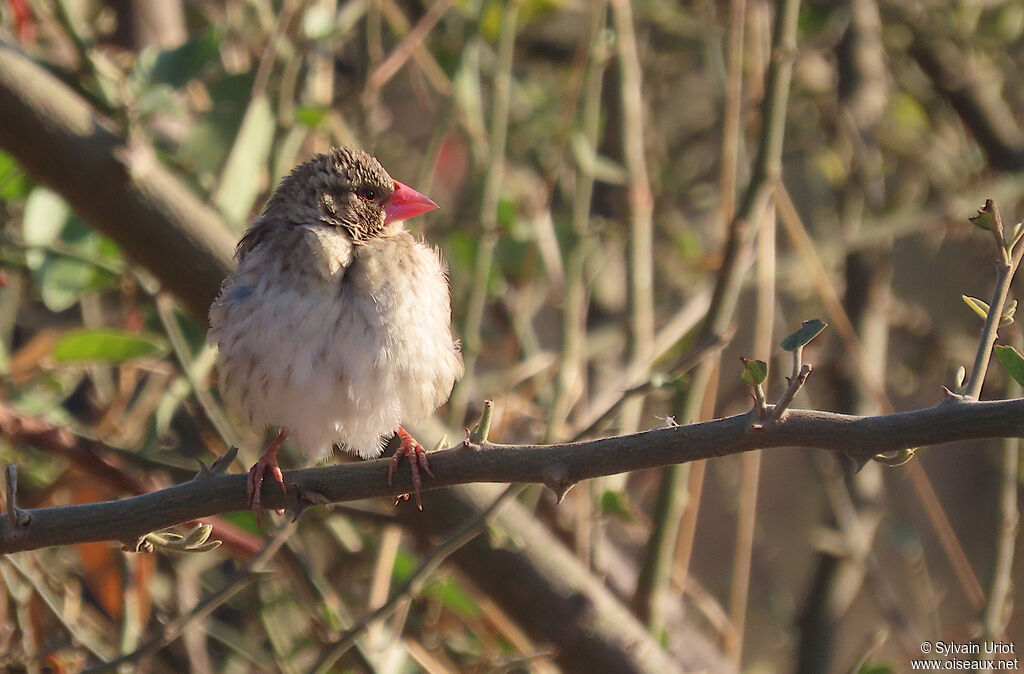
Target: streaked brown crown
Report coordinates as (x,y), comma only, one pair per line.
(343,187)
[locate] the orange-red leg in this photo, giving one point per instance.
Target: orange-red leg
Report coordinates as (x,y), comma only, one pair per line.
(417,460)
(267,462)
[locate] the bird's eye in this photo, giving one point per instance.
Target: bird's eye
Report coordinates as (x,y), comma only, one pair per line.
(367,193)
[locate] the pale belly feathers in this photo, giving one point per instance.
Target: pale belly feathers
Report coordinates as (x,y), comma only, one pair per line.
(341,355)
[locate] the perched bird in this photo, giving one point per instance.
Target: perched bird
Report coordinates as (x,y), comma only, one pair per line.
(335,327)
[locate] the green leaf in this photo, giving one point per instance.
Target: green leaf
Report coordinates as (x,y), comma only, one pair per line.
(209,140)
(754,371)
(508,213)
(62,281)
(808,331)
(177,66)
(1008,313)
(45,216)
(908,117)
(980,308)
(460,249)
(1012,362)
(453,597)
(894,459)
(983,220)
(108,346)
(404,566)
(311,116)
(13,183)
(159,98)
(614,503)
(237,190)
(599,166)
(244,520)
(1018,231)
(960,377)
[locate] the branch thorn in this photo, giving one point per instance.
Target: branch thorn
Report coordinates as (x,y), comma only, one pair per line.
(17,516)
(478,435)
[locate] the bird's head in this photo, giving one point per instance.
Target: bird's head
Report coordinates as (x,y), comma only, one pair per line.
(348,189)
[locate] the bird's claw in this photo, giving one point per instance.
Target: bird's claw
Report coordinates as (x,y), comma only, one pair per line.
(254,483)
(417,460)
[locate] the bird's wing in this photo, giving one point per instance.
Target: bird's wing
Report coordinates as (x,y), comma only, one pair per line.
(317,251)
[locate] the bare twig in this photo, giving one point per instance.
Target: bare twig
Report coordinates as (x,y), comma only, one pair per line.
(947,536)
(641,203)
(166,311)
(1007,262)
(827,292)
(751,462)
(90,456)
(795,384)
(687,362)
(407,47)
(996,614)
(489,204)
(16,517)
(174,628)
(767,167)
(415,582)
(424,59)
(995,617)
(572,371)
(30,570)
(969,90)
(556,466)
(733,108)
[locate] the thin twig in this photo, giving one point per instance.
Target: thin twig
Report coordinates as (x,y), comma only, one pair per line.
(30,571)
(996,614)
(869,379)
(173,629)
(571,373)
(795,384)
(685,364)
(733,108)
(407,47)
(641,203)
(424,59)
(747,491)
(995,617)
(689,315)
(214,412)
(1006,266)
(471,335)
(823,285)
(947,535)
(555,466)
(654,576)
(415,582)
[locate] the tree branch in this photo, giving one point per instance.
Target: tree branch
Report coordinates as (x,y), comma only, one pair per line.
(982,110)
(62,142)
(120,189)
(557,466)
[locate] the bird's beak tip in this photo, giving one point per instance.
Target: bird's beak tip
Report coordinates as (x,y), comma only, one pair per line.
(405,203)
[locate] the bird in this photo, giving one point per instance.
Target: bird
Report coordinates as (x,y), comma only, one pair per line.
(335,325)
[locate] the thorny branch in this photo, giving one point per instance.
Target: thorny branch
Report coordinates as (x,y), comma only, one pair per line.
(559,467)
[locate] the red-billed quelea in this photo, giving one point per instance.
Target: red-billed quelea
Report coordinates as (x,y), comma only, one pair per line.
(336,325)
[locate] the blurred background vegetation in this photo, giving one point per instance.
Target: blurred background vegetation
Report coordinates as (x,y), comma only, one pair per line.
(540,126)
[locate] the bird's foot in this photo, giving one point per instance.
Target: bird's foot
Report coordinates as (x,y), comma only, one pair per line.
(417,460)
(254,482)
